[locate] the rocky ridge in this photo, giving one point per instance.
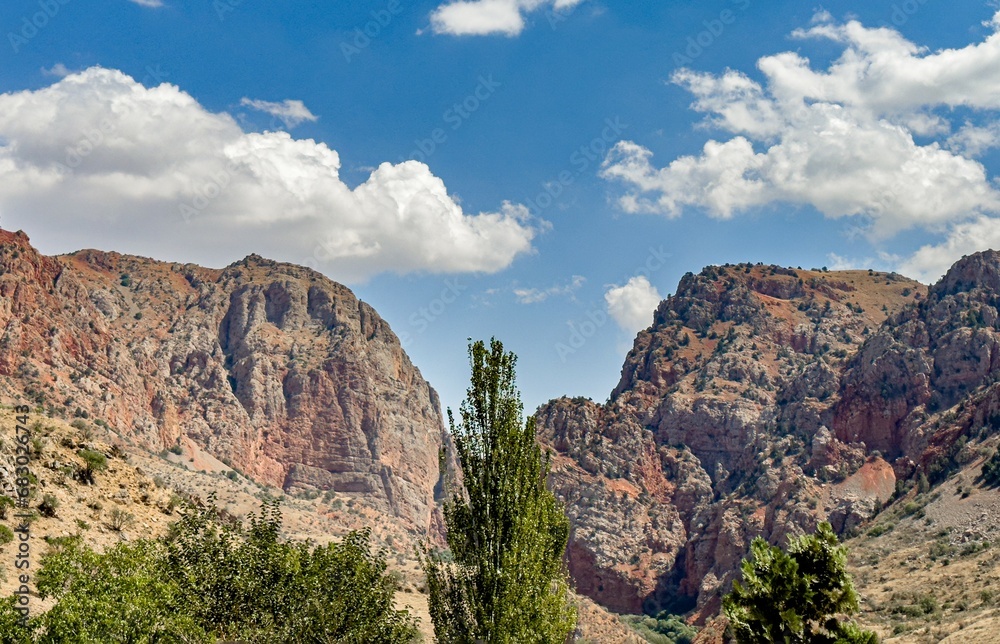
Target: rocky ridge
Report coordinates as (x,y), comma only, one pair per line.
(271,368)
(760,401)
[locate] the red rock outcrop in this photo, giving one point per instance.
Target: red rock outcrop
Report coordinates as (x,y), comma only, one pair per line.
(270,367)
(761,401)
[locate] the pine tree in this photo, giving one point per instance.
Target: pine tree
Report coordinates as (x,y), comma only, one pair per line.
(795,597)
(506,531)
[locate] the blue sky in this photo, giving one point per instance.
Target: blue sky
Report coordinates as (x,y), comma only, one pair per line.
(531,169)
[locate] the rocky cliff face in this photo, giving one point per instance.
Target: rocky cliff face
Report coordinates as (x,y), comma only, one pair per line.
(761,401)
(270,367)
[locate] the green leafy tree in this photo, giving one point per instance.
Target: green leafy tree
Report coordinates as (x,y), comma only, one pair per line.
(92,462)
(120,596)
(210,580)
(246,584)
(506,531)
(796,596)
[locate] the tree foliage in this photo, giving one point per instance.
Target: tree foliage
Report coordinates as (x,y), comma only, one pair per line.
(664,628)
(212,580)
(93,461)
(796,596)
(991,470)
(506,531)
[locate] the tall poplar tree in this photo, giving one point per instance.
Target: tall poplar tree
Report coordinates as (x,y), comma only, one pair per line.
(506,531)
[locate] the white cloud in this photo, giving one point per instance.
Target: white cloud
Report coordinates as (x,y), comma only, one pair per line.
(148,3)
(932,261)
(883,262)
(535,295)
(632,305)
(290,112)
(841,140)
(487,17)
(98,160)
(974,140)
(58,70)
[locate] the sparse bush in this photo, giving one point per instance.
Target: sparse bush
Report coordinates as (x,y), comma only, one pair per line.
(119,519)
(92,462)
(6,535)
(5,503)
(991,470)
(880,529)
(48,506)
(173,503)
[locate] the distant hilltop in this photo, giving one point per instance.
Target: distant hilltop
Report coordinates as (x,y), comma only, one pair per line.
(761,401)
(270,368)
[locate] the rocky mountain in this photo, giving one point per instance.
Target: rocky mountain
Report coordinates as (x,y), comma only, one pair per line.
(760,401)
(270,368)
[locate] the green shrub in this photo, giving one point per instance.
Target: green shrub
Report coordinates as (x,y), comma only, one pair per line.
(796,596)
(48,506)
(6,535)
(5,503)
(92,462)
(664,628)
(212,580)
(991,470)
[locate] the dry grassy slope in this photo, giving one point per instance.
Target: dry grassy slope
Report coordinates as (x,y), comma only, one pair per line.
(928,568)
(143,485)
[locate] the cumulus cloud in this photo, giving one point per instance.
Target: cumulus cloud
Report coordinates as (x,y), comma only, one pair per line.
(290,112)
(843,140)
(536,295)
(973,140)
(489,17)
(932,260)
(58,70)
(632,305)
(98,160)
